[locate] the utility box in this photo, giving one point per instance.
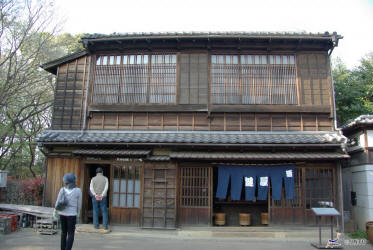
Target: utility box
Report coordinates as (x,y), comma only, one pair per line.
(3,178)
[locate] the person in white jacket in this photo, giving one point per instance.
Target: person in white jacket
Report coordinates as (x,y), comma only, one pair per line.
(98,188)
(70,214)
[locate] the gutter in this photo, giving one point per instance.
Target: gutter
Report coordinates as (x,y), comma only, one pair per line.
(316,145)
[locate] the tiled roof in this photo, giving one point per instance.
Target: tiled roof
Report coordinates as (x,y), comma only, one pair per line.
(361,120)
(189,137)
(158,158)
(111,152)
(211,34)
(257,156)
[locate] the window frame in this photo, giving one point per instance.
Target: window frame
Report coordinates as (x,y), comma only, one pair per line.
(135,169)
(290,57)
(149,72)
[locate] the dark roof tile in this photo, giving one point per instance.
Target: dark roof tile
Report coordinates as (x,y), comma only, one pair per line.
(190,137)
(257,156)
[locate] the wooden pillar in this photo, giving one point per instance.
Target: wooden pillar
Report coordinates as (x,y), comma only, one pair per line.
(339,191)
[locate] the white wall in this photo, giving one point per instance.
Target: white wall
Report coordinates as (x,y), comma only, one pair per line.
(362,140)
(362,184)
(370,138)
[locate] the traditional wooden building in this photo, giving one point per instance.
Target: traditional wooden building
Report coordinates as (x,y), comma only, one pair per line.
(165,114)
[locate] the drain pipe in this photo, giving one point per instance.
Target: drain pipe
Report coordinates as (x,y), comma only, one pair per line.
(335,40)
(84,127)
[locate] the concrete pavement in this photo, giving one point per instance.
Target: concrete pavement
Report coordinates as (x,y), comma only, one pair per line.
(184,239)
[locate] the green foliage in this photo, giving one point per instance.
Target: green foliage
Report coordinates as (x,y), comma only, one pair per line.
(359,234)
(353,90)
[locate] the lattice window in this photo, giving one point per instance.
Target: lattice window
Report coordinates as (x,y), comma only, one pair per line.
(126,186)
(253,79)
(195,187)
(320,187)
(135,79)
(314,187)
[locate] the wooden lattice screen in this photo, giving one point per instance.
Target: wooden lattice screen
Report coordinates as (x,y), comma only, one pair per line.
(253,79)
(133,79)
(195,195)
(195,187)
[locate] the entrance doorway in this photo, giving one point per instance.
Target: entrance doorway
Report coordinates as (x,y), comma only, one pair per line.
(90,173)
(233,208)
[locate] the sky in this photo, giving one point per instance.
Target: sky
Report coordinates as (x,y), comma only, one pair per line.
(353,19)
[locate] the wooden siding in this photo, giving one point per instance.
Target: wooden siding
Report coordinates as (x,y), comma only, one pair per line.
(313,87)
(314,79)
(193,79)
(216,121)
(69,94)
(159,197)
(56,169)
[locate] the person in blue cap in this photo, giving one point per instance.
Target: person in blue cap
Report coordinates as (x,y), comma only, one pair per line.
(70,214)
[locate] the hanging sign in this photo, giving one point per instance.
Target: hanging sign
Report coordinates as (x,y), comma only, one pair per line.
(289,173)
(249,182)
(264,181)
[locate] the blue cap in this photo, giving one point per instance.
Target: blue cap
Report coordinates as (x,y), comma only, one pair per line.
(69,178)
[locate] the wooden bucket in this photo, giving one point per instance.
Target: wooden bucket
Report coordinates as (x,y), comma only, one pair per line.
(220,219)
(369,229)
(245,219)
(265,219)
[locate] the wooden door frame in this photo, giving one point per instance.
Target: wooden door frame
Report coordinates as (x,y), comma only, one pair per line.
(125,163)
(85,186)
(210,187)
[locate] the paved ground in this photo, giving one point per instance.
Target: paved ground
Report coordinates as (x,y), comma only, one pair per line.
(27,239)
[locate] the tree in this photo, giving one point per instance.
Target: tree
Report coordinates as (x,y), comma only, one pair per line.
(26,92)
(353,90)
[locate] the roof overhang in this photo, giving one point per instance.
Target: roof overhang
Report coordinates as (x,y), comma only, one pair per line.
(363,121)
(258,156)
(52,66)
(182,41)
(110,152)
(319,139)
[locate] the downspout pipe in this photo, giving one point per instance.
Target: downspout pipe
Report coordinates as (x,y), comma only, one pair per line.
(335,39)
(84,127)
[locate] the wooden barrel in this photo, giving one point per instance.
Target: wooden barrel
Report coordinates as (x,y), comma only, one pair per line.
(220,219)
(265,219)
(369,228)
(245,219)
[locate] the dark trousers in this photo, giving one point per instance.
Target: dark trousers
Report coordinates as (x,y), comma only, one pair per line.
(68,231)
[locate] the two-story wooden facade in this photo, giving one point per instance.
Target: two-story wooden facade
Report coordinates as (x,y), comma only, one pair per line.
(165,113)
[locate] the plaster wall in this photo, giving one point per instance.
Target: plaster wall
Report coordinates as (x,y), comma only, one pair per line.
(362,184)
(370,138)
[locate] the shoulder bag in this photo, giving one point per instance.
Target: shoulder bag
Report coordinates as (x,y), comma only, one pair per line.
(62,202)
